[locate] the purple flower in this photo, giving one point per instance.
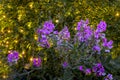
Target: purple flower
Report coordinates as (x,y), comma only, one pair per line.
(13,56)
(65,64)
(88,71)
(81,68)
(102,35)
(109,77)
(39,31)
(104,40)
(45,31)
(37,62)
(55,32)
(82,24)
(99,70)
(43,41)
(107,44)
(88,32)
(49,26)
(84,34)
(80,36)
(64,34)
(101,26)
(59,42)
(107,51)
(96,35)
(97,48)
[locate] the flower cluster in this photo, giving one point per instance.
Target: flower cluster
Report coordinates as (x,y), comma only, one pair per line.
(63,35)
(100,36)
(107,44)
(101,27)
(86,71)
(13,56)
(84,32)
(37,62)
(48,27)
(98,70)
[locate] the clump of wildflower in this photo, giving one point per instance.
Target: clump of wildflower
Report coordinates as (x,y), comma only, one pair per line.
(99,70)
(37,62)
(13,56)
(109,77)
(48,28)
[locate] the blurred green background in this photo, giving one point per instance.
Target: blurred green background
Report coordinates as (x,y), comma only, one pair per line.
(19,20)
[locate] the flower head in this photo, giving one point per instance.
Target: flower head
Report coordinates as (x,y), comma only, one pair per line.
(37,62)
(82,24)
(48,26)
(13,56)
(88,32)
(47,29)
(84,34)
(101,26)
(109,77)
(98,69)
(44,42)
(107,44)
(97,35)
(64,34)
(97,48)
(81,68)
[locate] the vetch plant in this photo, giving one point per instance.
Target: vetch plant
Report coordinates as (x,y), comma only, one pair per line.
(66,58)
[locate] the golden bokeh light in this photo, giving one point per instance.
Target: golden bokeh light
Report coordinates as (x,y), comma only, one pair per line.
(117,14)
(31,59)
